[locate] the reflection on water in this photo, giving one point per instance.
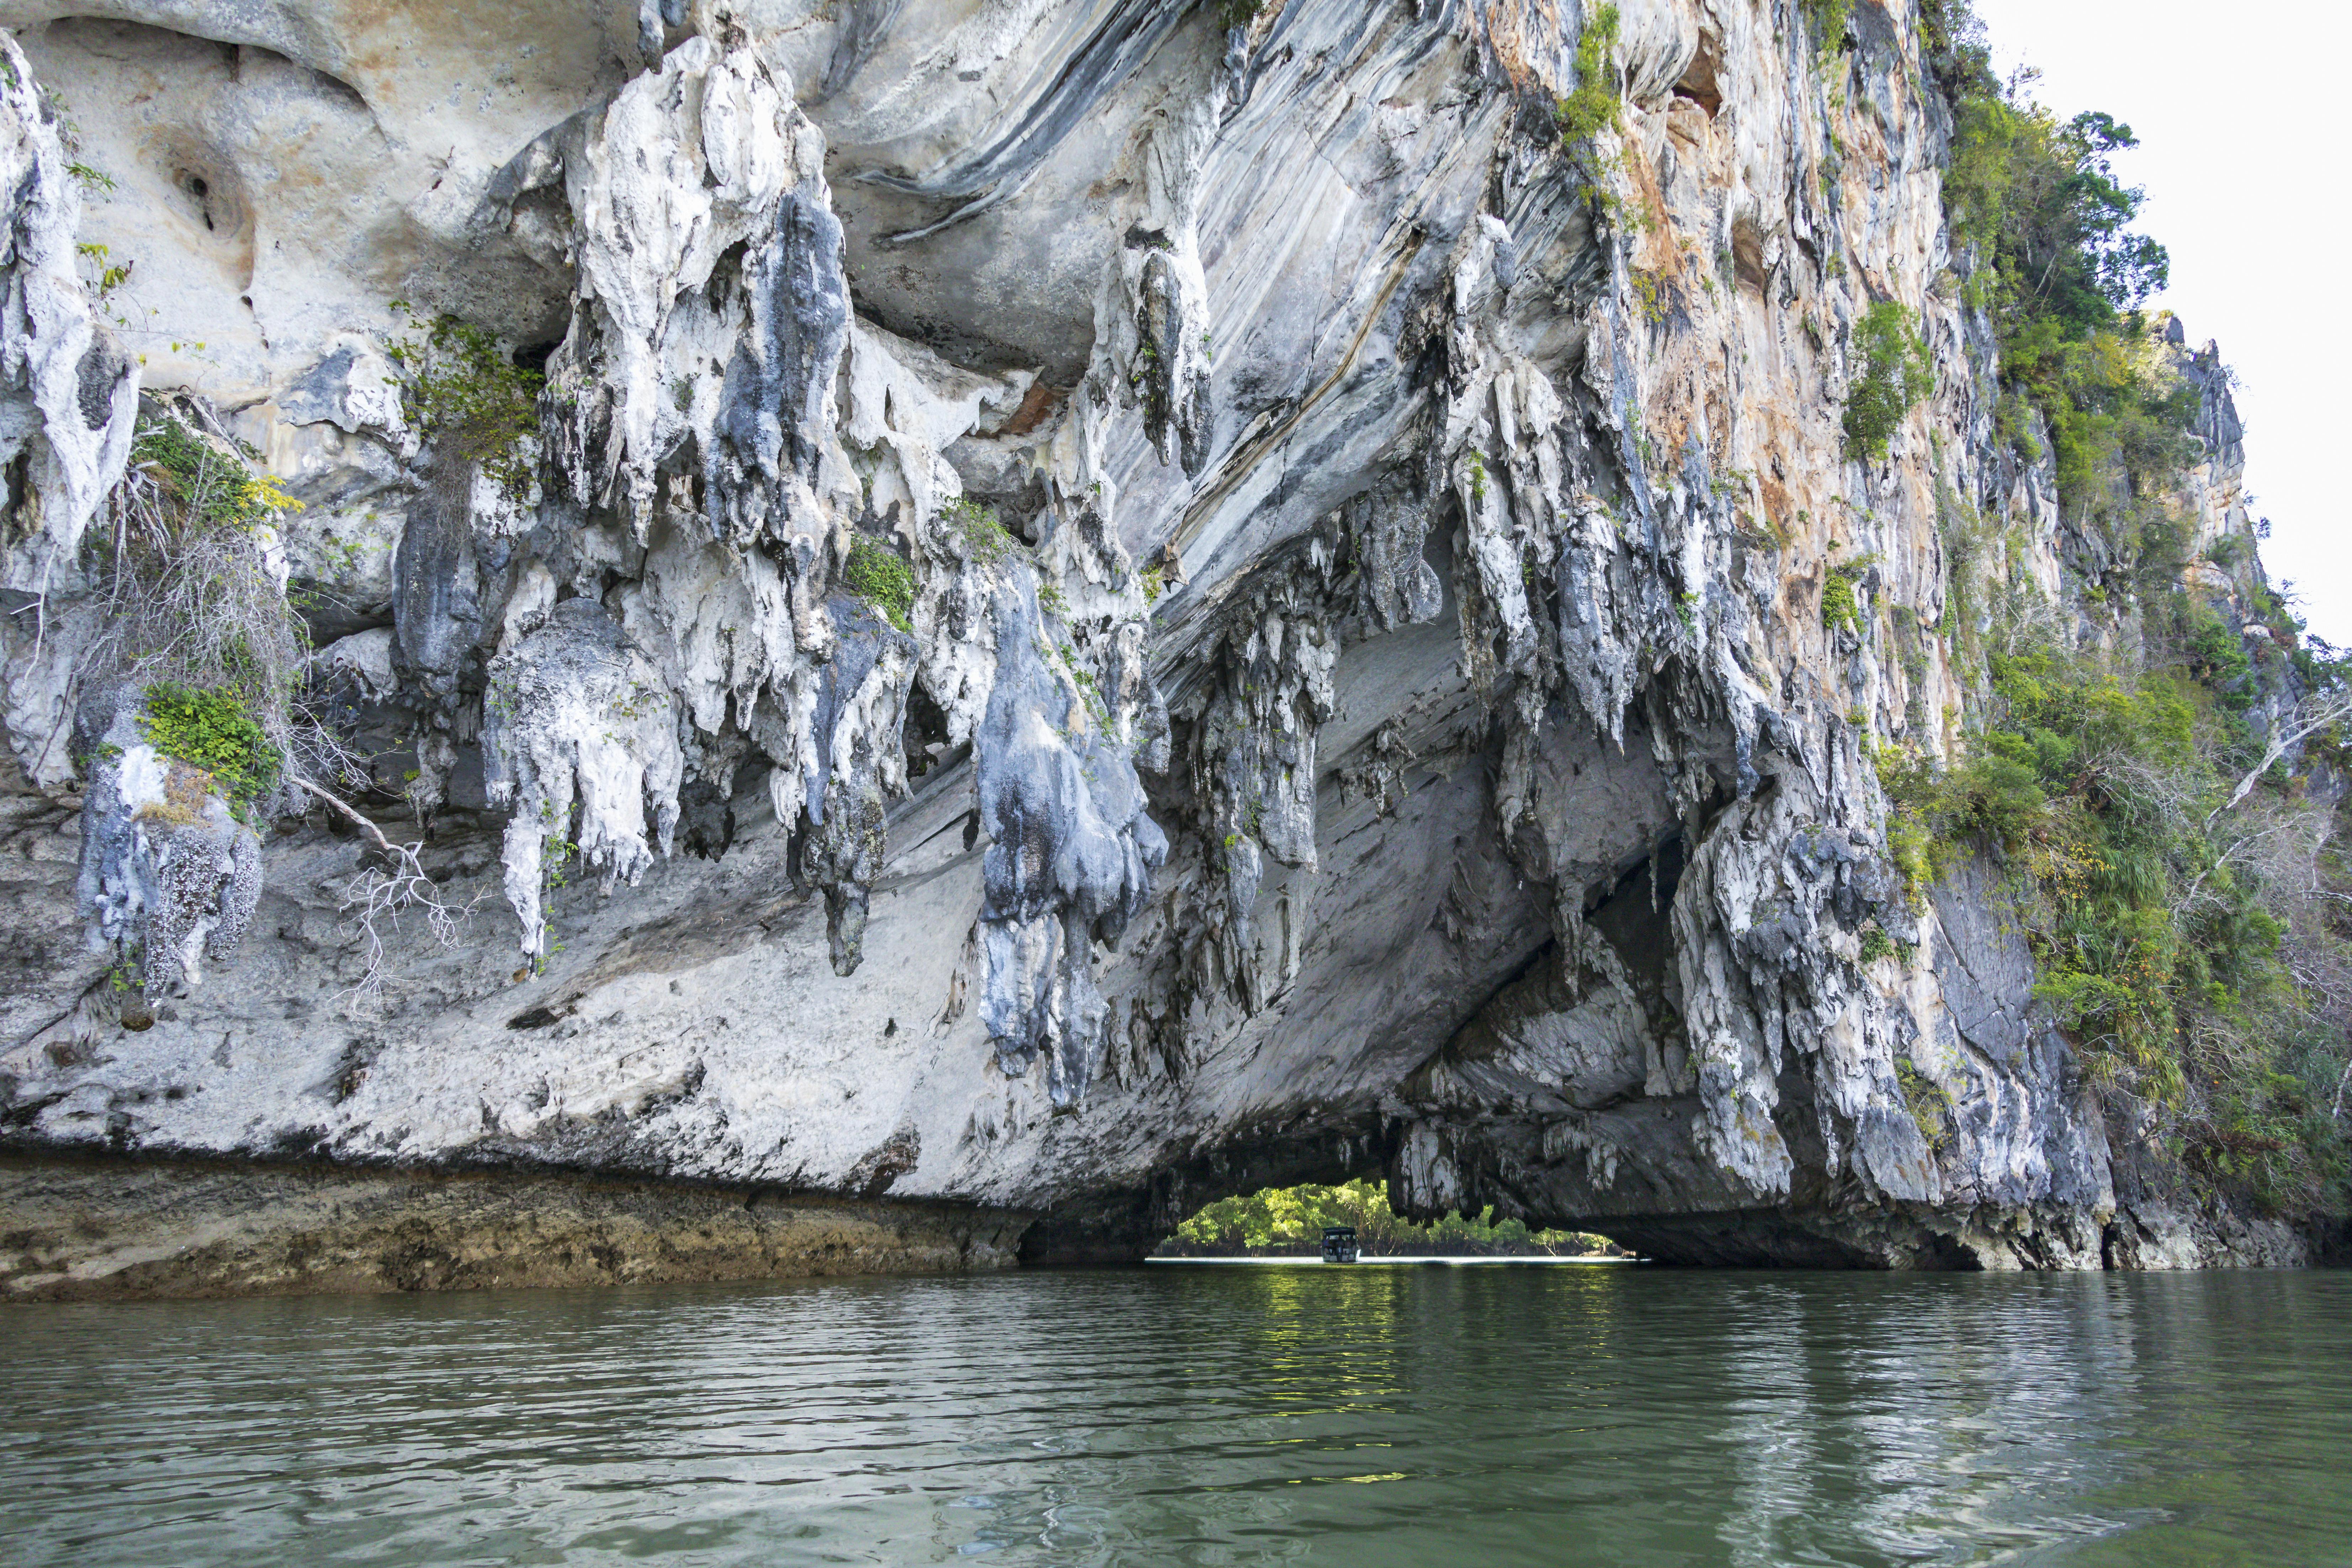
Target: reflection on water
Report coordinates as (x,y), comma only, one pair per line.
(1382,1413)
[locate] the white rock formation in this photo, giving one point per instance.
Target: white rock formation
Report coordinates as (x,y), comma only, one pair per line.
(1357,698)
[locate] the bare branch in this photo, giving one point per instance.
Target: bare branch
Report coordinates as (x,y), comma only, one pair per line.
(379,895)
(2314,716)
(359,818)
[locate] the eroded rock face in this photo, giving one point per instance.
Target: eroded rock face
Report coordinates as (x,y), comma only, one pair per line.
(170,874)
(1360,699)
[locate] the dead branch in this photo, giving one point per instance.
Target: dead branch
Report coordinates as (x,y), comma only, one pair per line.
(380,894)
(2314,717)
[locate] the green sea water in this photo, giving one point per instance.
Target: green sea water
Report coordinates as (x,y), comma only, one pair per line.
(1383,1413)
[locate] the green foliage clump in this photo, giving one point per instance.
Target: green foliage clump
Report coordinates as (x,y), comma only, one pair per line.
(877,575)
(1592,105)
(1929,1102)
(210,487)
(211,729)
(183,561)
(977,528)
(2182,912)
(1895,374)
(2035,202)
(1841,606)
(1826,20)
(2161,920)
(1291,1220)
(1876,944)
(462,389)
(1838,607)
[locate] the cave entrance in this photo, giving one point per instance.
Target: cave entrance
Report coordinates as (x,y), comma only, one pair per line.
(1290,1222)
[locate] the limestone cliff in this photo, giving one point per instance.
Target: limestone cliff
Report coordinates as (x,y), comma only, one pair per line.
(1124,599)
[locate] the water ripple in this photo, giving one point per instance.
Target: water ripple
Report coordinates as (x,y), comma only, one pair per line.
(1373,1416)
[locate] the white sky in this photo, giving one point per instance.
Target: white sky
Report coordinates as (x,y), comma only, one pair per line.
(2239,110)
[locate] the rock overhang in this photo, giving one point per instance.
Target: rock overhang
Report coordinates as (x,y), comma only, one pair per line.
(1471,628)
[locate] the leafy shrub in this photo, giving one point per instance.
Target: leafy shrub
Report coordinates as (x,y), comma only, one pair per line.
(2182,923)
(1838,607)
(2160,923)
(1929,1102)
(212,731)
(463,390)
(1826,20)
(1291,1219)
(1895,374)
(183,563)
(976,527)
(2035,201)
(877,575)
(1592,107)
(1876,944)
(210,486)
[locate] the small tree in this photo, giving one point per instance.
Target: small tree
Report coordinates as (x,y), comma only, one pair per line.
(1895,374)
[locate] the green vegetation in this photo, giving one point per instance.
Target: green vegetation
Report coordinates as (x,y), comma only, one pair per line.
(2182,895)
(111,275)
(1654,297)
(976,526)
(2177,930)
(184,554)
(2034,202)
(1929,1103)
(877,573)
(1895,374)
(212,731)
(1876,944)
(1840,607)
(213,487)
(461,389)
(1291,1220)
(1593,107)
(1825,20)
